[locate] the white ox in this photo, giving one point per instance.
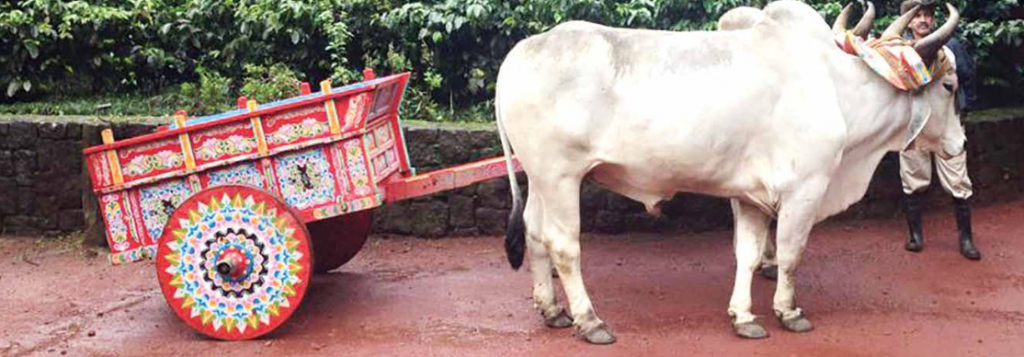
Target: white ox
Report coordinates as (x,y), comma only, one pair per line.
(772,115)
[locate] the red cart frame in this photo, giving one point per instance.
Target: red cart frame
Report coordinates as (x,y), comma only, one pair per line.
(223,201)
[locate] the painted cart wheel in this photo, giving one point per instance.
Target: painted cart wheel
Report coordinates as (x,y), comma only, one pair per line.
(337,240)
(234,262)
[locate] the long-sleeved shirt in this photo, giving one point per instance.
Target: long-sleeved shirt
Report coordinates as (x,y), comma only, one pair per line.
(965,71)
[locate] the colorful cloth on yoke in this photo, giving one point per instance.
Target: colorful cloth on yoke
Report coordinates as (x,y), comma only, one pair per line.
(894,59)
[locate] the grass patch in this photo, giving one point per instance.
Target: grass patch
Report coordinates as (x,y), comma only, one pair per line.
(473,125)
(996,114)
(108,105)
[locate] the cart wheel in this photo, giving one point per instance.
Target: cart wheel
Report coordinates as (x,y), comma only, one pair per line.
(337,240)
(234,262)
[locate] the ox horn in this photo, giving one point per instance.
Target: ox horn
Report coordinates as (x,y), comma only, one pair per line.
(929,46)
(897,27)
(863,26)
(866,22)
(840,24)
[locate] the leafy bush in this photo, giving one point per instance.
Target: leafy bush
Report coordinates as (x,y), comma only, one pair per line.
(211,95)
(61,48)
(269,83)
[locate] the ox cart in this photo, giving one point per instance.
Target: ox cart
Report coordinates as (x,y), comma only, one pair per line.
(239,209)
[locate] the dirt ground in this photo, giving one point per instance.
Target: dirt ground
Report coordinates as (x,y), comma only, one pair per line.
(661,295)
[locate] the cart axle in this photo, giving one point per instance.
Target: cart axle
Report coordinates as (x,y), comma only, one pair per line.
(233,265)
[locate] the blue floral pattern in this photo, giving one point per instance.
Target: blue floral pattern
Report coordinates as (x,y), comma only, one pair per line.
(238,174)
(158,203)
(305,178)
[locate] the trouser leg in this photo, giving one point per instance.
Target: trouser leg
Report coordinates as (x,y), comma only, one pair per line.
(953,176)
(916,175)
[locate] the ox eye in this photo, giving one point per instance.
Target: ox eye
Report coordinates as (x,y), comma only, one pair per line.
(948,86)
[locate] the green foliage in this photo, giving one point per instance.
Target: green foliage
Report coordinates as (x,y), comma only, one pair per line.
(270,83)
(211,95)
(62,49)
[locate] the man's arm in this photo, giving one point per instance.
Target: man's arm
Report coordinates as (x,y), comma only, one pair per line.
(965,71)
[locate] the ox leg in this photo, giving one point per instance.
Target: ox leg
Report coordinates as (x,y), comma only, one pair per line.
(769,267)
(561,233)
(795,222)
(541,267)
(751,232)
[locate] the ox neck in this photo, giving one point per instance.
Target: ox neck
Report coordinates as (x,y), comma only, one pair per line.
(877,115)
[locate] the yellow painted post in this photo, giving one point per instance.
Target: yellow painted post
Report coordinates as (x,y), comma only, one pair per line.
(332,110)
(186,143)
(115,165)
(257,129)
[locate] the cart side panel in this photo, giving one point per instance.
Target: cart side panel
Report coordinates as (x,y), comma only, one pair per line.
(357,190)
(342,189)
(98,165)
(248,173)
(211,146)
(385,99)
(124,244)
(326,180)
(297,125)
(352,110)
(382,147)
(151,159)
(391,98)
(342,181)
(356,166)
(155,203)
(304,178)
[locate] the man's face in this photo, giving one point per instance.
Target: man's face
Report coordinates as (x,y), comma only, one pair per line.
(921,25)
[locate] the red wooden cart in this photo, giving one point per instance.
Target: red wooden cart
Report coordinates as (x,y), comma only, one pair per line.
(240,208)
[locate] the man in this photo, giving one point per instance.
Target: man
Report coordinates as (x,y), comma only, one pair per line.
(916,166)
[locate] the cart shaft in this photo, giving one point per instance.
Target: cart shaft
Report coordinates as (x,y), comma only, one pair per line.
(448,179)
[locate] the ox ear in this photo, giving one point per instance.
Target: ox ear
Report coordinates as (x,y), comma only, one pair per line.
(919,113)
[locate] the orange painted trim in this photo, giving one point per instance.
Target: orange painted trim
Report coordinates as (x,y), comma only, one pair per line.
(257,129)
(332,110)
(115,165)
(186,143)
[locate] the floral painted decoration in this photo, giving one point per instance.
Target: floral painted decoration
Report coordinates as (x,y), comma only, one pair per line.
(253,303)
(287,133)
(144,164)
(213,149)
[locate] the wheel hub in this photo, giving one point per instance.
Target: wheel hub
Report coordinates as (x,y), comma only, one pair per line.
(233,265)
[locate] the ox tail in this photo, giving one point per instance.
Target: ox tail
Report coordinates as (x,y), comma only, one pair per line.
(515,232)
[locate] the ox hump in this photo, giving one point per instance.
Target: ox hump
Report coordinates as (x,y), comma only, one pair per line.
(739,18)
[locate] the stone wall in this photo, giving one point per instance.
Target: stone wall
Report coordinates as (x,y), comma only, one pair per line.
(43,188)
(42,178)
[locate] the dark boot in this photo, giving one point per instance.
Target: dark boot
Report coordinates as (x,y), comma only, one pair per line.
(963,224)
(912,204)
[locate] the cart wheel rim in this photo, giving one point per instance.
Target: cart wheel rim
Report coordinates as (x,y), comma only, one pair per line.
(234,224)
(337,240)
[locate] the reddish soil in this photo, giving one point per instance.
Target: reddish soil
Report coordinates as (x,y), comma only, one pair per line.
(661,295)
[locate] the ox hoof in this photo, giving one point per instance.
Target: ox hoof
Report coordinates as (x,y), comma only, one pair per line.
(751,330)
(913,246)
(770,273)
(599,335)
(797,324)
(561,320)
